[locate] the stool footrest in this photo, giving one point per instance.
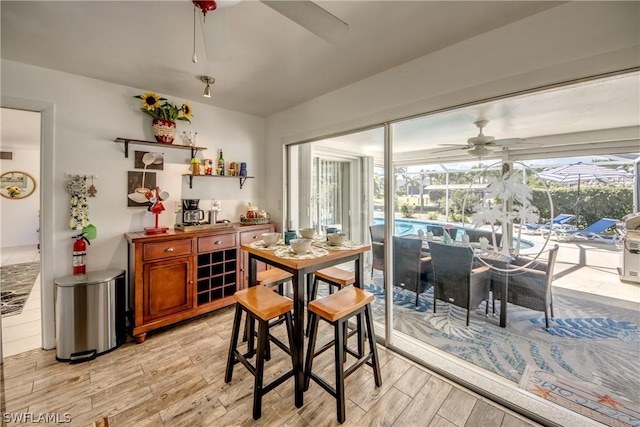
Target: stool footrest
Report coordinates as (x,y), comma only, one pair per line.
(275,383)
(243,358)
(322,383)
(356,364)
(280,344)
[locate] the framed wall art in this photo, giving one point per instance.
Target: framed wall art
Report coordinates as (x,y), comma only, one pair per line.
(138,184)
(16,185)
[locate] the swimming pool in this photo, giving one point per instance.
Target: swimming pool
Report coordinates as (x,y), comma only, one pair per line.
(406,226)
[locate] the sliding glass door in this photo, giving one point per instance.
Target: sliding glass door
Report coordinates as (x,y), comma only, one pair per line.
(344,189)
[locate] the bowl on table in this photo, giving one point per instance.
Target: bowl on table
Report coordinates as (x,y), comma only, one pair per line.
(270,238)
(336,239)
(308,233)
(300,246)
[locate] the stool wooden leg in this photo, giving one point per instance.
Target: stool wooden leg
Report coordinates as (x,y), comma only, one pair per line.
(311,348)
(313,293)
(339,355)
(361,334)
(231,359)
(372,346)
(289,323)
(263,336)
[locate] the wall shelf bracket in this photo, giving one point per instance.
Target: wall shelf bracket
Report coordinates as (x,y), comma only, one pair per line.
(127,141)
(242,179)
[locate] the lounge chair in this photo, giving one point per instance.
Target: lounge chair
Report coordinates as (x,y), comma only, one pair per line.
(592,233)
(561,219)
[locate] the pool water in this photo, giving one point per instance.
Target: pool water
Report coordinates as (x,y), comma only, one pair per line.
(406,226)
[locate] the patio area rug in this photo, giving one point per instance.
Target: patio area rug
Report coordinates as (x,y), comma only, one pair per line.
(16,282)
(580,398)
(592,346)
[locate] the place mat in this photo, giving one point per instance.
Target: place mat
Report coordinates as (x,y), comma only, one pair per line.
(347,245)
(259,244)
(287,253)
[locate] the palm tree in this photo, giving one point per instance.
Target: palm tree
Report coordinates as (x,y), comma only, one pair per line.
(423,175)
(378,187)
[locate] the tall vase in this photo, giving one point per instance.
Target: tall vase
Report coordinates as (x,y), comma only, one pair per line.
(164,131)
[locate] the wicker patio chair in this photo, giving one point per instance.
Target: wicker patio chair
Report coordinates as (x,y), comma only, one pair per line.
(531,287)
(411,269)
(455,279)
(377,247)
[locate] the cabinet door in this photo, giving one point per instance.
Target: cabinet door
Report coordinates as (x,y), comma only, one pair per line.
(247,237)
(167,287)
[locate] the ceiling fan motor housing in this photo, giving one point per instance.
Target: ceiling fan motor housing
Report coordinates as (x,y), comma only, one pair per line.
(205,5)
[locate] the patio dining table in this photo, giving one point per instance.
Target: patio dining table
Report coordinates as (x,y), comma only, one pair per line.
(301,268)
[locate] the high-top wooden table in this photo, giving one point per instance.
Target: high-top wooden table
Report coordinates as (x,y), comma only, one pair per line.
(300,269)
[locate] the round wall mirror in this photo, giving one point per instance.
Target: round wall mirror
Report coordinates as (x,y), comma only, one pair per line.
(16,185)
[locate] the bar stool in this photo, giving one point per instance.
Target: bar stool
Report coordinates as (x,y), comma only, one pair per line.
(335,277)
(273,277)
(337,309)
(262,305)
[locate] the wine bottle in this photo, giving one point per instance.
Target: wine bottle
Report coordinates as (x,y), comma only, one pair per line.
(221,164)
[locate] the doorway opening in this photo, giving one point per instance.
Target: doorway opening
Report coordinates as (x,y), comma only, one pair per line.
(20,230)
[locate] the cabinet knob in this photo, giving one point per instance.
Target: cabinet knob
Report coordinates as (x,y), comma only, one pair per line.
(171,249)
(218,242)
(255,237)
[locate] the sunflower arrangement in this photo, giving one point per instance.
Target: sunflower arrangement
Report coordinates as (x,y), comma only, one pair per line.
(160,108)
(12,190)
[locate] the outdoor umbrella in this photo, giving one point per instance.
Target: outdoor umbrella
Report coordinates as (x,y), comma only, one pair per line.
(578,172)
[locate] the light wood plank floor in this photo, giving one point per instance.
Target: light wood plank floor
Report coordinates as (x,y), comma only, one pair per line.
(176,378)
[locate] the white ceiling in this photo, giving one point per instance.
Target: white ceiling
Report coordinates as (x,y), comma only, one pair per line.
(275,63)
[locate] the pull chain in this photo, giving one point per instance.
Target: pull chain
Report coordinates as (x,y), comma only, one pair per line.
(194,58)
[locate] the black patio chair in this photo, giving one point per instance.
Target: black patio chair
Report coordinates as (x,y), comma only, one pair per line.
(377,247)
(456,280)
(531,287)
(411,270)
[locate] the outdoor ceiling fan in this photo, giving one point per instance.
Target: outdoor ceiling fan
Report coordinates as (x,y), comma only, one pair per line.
(482,145)
(305,13)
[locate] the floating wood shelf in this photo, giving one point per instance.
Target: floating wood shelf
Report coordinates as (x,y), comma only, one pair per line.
(241,178)
(127,141)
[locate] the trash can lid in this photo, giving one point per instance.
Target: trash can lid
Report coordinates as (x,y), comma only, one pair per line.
(91,278)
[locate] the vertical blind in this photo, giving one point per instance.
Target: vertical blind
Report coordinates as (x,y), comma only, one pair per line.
(328,188)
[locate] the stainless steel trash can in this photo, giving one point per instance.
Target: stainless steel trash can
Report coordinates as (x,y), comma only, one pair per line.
(90,314)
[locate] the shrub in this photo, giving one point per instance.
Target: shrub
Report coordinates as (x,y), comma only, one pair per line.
(595,203)
(407,210)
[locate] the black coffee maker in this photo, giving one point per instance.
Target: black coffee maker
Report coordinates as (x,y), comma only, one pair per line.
(191,215)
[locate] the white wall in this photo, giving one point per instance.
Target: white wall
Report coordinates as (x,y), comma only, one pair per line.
(88,115)
(19,217)
(574,40)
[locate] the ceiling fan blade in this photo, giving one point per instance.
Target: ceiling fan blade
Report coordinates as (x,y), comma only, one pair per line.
(215,32)
(508,142)
(451,147)
(312,17)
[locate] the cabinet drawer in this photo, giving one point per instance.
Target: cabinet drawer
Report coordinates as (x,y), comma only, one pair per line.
(167,249)
(252,236)
(217,242)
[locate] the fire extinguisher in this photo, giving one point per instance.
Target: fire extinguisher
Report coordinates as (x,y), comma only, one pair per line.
(80,254)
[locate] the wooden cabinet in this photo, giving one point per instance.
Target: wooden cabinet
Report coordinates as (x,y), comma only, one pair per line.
(166,287)
(179,275)
(247,237)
